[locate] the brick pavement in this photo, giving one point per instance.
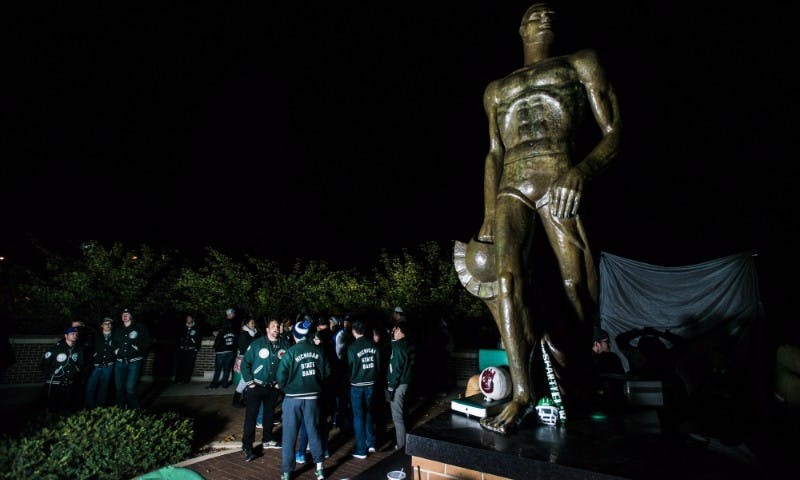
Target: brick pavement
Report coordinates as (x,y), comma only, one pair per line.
(341,465)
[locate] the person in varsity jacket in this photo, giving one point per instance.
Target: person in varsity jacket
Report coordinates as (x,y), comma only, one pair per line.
(103,360)
(259,373)
(62,365)
(301,373)
(132,341)
(363,361)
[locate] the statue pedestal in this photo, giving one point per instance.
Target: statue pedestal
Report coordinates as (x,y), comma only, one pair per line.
(627,445)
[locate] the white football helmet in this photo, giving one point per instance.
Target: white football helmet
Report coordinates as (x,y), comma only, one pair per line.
(547,411)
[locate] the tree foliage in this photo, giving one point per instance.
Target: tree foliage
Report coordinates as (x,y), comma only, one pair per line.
(217,284)
(96,281)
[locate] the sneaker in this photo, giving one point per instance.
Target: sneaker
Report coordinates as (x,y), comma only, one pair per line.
(320,474)
(326,454)
(258,425)
(300,457)
(358,456)
(272,444)
(371,449)
(249,456)
(285,476)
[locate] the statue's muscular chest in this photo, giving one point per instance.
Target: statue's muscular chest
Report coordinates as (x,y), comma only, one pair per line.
(552,80)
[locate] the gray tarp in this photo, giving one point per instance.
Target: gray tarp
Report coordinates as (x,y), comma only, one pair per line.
(714,305)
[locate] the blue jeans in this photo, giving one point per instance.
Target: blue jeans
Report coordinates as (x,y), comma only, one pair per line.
(97,386)
(361,400)
(295,413)
(126,375)
(223,363)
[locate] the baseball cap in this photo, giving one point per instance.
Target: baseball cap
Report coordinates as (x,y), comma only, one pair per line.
(71,330)
(230,311)
(398,310)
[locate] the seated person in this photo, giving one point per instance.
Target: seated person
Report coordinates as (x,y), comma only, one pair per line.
(609,391)
(652,359)
(605,360)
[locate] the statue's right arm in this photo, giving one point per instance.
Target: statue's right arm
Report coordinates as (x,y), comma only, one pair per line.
(494,164)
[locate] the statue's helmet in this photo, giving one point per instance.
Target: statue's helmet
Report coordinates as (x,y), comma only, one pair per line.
(476,267)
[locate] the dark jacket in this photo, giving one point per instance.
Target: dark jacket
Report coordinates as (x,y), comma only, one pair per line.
(62,364)
(302,370)
(225,341)
(104,350)
(400,364)
(363,360)
(191,339)
(132,342)
(244,341)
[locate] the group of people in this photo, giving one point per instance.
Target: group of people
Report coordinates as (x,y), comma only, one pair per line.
(328,371)
(325,371)
(79,368)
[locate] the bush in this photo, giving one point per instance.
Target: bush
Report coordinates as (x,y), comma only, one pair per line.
(103,443)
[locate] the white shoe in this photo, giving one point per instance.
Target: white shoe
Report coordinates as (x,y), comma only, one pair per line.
(371,449)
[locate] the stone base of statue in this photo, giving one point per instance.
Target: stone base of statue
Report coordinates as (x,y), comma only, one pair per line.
(630,444)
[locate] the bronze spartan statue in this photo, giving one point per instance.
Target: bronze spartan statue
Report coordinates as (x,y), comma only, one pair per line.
(534,116)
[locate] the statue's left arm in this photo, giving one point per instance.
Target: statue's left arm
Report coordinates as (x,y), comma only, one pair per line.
(567,189)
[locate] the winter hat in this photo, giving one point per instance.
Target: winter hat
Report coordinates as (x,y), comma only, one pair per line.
(600,334)
(301,328)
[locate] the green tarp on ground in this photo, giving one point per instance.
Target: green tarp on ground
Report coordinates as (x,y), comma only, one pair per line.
(171,473)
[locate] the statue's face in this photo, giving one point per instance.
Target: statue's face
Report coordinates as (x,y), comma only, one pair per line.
(536,26)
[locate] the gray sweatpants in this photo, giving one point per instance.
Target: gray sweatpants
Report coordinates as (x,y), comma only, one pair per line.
(398,414)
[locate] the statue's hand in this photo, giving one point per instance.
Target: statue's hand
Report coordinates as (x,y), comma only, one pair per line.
(565,193)
(486,233)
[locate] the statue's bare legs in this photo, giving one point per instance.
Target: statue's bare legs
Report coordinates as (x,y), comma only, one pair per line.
(513,228)
(514,224)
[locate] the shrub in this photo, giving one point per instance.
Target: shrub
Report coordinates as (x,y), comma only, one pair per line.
(103,443)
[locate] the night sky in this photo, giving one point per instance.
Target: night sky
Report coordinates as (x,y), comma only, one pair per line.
(332,129)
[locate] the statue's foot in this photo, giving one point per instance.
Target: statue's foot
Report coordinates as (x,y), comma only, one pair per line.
(508,419)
